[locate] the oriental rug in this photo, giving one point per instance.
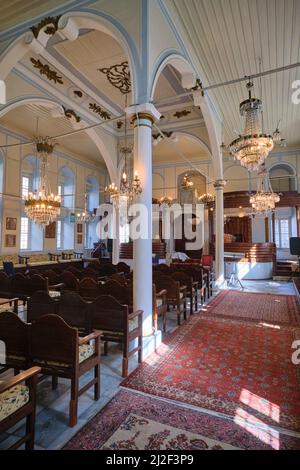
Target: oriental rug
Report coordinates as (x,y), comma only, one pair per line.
(255,307)
(132,421)
(235,368)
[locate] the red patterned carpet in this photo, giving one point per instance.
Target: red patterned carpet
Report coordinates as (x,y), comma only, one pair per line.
(132,421)
(269,308)
(238,368)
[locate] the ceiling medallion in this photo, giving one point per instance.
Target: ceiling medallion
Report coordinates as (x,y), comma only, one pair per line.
(45,70)
(42,206)
(264,200)
(181,114)
(98,110)
(118,76)
(48,24)
(70,114)
(253,147)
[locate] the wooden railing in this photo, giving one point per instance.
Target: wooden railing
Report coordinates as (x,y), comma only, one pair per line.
(254,252)
(126,250)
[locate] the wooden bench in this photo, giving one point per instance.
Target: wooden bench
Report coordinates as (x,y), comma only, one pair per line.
(55,347)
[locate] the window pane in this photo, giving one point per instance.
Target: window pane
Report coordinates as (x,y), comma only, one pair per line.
(25,186)
(24,233)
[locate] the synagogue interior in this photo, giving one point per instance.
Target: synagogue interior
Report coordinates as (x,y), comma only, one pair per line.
(149,225)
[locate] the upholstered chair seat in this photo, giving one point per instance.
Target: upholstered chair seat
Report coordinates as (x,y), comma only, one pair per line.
(12,400)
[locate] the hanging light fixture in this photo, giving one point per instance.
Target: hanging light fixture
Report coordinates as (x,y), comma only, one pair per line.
(165,201)
(85,216)
(253,147)
(42,206)
(128,189)
(264,200)
(187,183)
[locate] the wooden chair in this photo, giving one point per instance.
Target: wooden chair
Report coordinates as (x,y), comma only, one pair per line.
(176,294)
(192,288)
(39,304)
(123,294)
(198,274)
(5,285)
(123,267)
(56,348)
(69,280)
(17,402)
(119,277)
(73,309)
(160,307)
(14,334)
(88,288)
(20,286)
(118,325)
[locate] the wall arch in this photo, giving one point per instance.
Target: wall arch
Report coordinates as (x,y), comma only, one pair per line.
(101,141)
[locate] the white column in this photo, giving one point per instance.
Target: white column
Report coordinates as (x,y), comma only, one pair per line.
(219,242)
(116,240)
(143,117)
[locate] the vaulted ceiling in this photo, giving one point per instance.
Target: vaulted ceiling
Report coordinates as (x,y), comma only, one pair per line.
(227,39)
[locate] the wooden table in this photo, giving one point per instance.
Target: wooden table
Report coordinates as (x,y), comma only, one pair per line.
(13,300)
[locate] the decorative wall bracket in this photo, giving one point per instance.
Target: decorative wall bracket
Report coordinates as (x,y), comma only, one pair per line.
(49,25)
(181,114)
(118,76)
(45,70)
(98,110)
(70,114)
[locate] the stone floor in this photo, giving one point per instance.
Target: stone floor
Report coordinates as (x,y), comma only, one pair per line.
(52,430)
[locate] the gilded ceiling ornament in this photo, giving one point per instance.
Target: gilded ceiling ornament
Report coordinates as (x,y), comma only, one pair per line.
(118,76)
(45,70)
(50,23)
(70,113)
(78,93)
(181,114)
(98,110)
(120,124)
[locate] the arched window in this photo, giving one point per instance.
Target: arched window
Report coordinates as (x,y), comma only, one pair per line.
(31,234)
(93,200)
(282,178)
(66,223)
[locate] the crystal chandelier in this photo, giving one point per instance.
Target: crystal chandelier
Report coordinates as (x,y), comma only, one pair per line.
(187,183)
(85,216)
(42,206)
(252,148)
(207,199)
(264,200)
(165,201)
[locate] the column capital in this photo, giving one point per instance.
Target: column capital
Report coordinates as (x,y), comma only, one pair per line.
(143,111)
(219,184)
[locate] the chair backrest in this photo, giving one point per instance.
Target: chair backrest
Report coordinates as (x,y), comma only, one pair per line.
(106,269)
(123,294)
(53,277)
(208,261)
(20,284)
(8,267)
(38,282)
(5,283)
(39,304)
(166,282)
(107,314)
(73,309)
(14,334)
(91,273)
(75,271)
(70,281)
(88,288)
(119,277)
(183,278)
(123,267)
(52,341)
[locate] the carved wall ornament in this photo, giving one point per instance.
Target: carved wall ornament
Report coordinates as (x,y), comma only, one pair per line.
(78,93)
(120,124)
(181,114)
(49,24)
(118,76)
(45,70)
(98,110)
(70,113)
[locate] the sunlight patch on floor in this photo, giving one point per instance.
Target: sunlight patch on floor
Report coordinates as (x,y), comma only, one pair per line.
(264,433)
(260,404)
